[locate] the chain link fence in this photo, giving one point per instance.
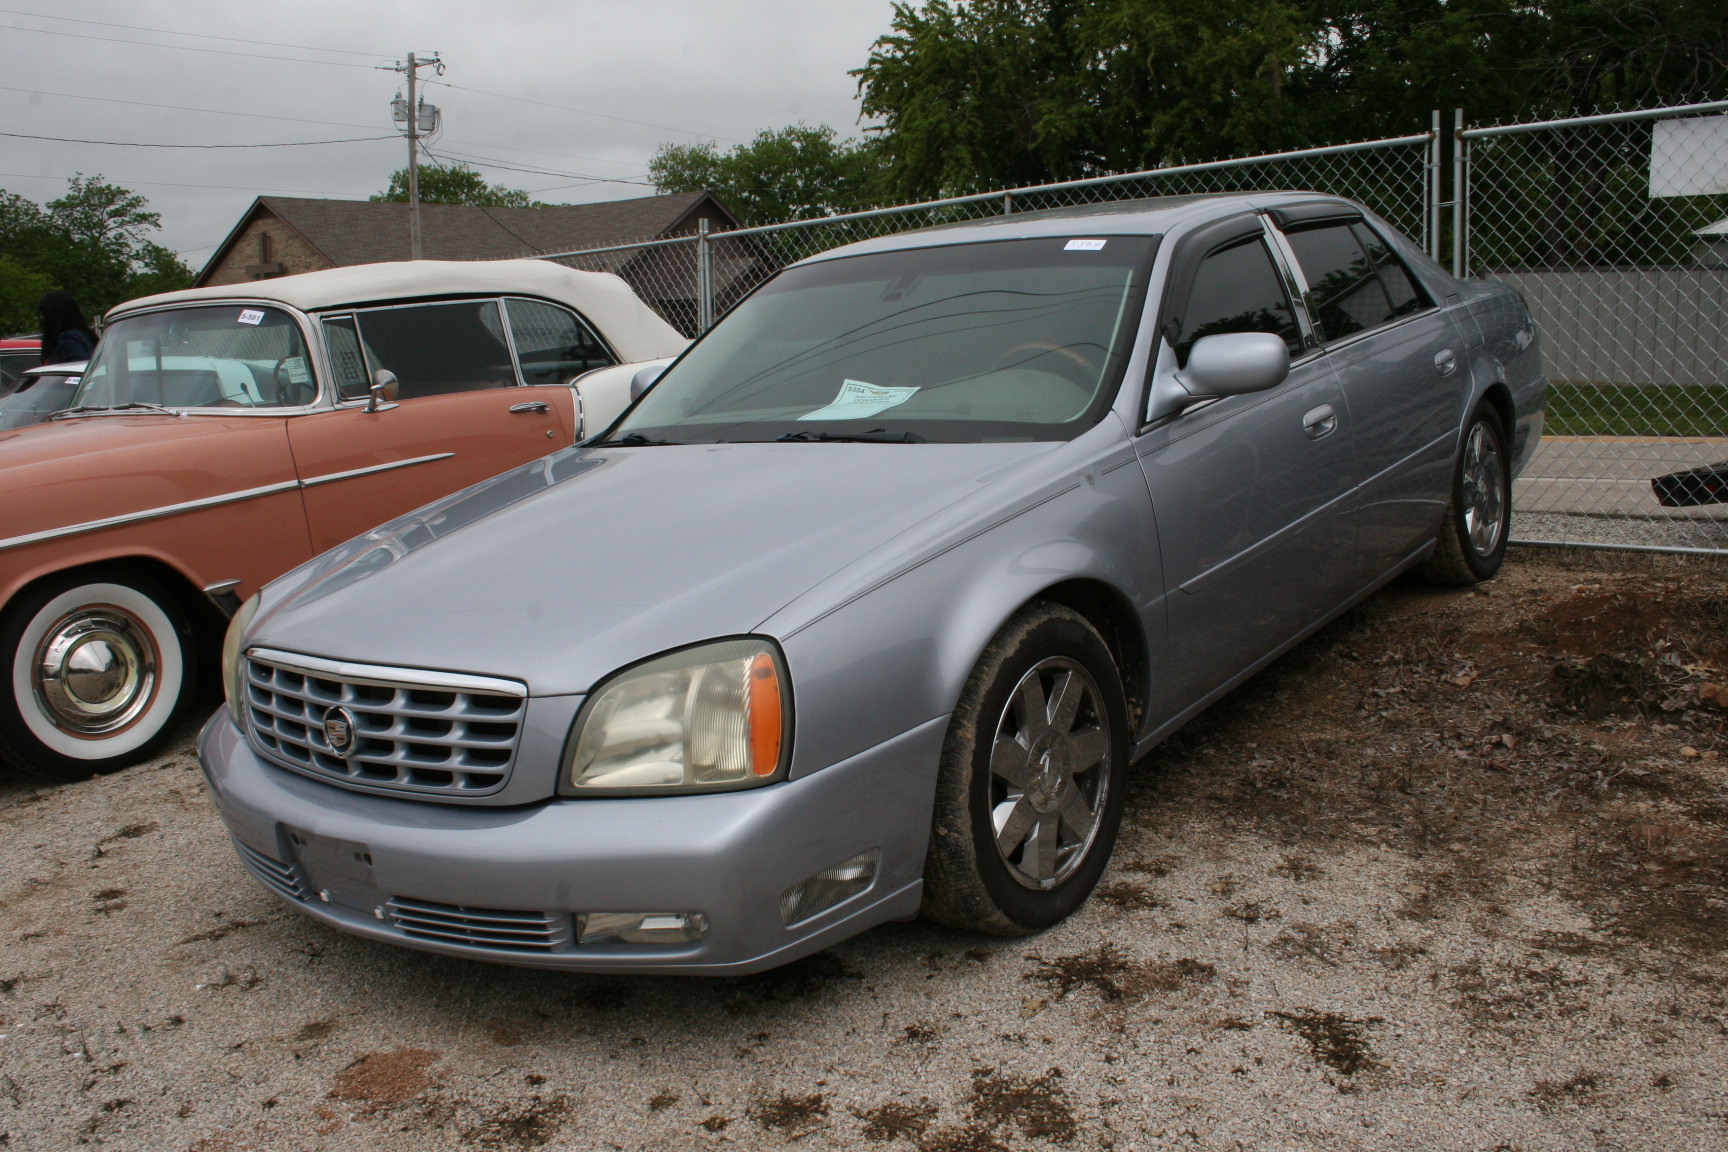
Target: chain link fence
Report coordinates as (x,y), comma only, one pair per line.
(1615,229)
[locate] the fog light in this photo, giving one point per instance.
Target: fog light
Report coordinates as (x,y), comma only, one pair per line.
(641,927)
(829,887)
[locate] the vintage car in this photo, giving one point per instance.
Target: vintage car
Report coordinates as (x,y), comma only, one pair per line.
(866,606)
(16,354)
(221,436)
(39,393)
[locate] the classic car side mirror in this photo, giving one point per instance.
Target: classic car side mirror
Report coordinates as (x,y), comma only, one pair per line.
(384,390)
(1235,363)
(644,379)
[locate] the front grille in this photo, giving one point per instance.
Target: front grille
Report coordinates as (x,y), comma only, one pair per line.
(422,732)
(481,927)
(283,879)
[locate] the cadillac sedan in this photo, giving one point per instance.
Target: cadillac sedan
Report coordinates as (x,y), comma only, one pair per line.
(864,609)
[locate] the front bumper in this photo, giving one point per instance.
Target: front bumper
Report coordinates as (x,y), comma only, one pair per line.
(351,860)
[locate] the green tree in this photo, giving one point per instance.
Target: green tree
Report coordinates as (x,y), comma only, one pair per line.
(455,184)
(20,288)
(979,94)
(92,242)
(793,173)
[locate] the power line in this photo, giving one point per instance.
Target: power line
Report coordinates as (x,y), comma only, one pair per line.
(253,188)
(584,112)
(193,35)
(284,119)
(135,144)
(182,47)
(482,162)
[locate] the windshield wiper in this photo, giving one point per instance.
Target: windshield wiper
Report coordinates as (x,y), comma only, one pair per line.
(874,436)
(99,409)
(635,440)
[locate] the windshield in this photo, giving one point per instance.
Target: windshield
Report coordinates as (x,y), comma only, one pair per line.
(1007,340)
(222,356)
(39,396)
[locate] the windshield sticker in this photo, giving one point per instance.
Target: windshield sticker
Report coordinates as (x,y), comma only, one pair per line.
(251,316)
(1083,246)
(858,400)
(295,367)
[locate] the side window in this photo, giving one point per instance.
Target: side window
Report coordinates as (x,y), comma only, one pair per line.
(552,343)
(1346,292)
(347,362)
(1407,296)
(1236,290)
(438,348)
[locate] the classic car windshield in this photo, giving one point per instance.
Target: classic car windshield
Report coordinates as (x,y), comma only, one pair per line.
(221,356)
(1006,340)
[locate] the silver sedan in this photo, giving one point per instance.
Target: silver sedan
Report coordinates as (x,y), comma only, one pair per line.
(865,607)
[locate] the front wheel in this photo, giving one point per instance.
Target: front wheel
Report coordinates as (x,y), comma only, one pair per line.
(100,667)
(1472,540)
(1030,790)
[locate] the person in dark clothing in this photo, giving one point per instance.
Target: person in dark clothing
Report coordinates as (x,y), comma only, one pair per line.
(65,335)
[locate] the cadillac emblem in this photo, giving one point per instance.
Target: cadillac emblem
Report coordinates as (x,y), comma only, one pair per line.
(340,731)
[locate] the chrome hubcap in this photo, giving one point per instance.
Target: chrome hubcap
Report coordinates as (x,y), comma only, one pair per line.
(1049,772)
(1484,491)
(95,671)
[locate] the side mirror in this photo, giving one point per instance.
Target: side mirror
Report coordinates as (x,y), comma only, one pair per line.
(384,390)
(644,379)
(1235,363)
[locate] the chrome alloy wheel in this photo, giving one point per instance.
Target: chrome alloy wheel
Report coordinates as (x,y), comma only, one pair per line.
(1483,490)
(1049,773)
(94,671)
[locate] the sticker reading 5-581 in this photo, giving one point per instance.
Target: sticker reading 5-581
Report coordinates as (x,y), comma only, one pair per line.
(251,316)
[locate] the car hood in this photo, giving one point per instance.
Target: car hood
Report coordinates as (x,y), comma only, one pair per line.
(560,572)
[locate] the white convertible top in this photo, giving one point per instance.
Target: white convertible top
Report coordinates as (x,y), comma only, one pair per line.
(633,329)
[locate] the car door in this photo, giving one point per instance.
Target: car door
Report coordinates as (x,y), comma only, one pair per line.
(1397,357)
(461,415)
(1252,493)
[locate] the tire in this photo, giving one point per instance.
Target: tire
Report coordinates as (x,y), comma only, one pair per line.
(1471,543)
(1056,790)
(127,664)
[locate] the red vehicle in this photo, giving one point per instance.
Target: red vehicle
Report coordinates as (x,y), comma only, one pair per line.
(221,436)
(16,354)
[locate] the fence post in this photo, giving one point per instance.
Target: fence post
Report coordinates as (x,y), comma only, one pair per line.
(704,277)
(1431,217)
(1007,203)
(1460,190)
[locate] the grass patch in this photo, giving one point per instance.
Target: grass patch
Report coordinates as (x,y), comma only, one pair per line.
(1636,410)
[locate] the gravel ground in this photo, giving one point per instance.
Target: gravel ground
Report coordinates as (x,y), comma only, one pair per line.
(1449,876)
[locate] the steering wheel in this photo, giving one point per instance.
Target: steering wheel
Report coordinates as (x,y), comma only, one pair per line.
(282,385)
(1070,362)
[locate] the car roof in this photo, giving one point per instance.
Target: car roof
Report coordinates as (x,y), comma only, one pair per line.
(635,330)
(66,368)
(1151,215)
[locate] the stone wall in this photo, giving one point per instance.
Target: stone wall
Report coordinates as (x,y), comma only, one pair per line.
(284,253)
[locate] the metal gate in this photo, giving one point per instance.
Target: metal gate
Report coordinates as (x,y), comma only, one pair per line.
(1614,227)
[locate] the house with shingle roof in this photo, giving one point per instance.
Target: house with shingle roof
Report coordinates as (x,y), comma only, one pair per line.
(285,235)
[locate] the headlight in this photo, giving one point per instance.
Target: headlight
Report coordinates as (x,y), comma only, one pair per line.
(233,667)
(706,719)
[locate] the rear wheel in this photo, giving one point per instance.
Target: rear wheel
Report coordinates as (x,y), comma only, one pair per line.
(99,667)
(1031,787)
(1472,541)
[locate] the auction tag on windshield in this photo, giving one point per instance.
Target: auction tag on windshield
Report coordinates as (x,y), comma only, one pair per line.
(1084,246)
(295,366)
(858,400)
(251,316)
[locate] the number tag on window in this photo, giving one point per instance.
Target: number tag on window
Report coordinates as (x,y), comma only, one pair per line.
(1084,246)
(858,400)
(251,316)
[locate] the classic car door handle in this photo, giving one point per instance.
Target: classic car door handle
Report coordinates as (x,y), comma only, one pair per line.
(530,406)
(1445,362)
(1321,421)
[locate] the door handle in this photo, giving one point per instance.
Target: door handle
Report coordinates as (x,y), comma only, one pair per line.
(531,406)
(1321,421)
(1445,362)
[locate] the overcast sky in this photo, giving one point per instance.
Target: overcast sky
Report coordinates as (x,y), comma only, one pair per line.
(625,75)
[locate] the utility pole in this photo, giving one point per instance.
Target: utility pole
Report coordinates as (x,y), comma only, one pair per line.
(417,119)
